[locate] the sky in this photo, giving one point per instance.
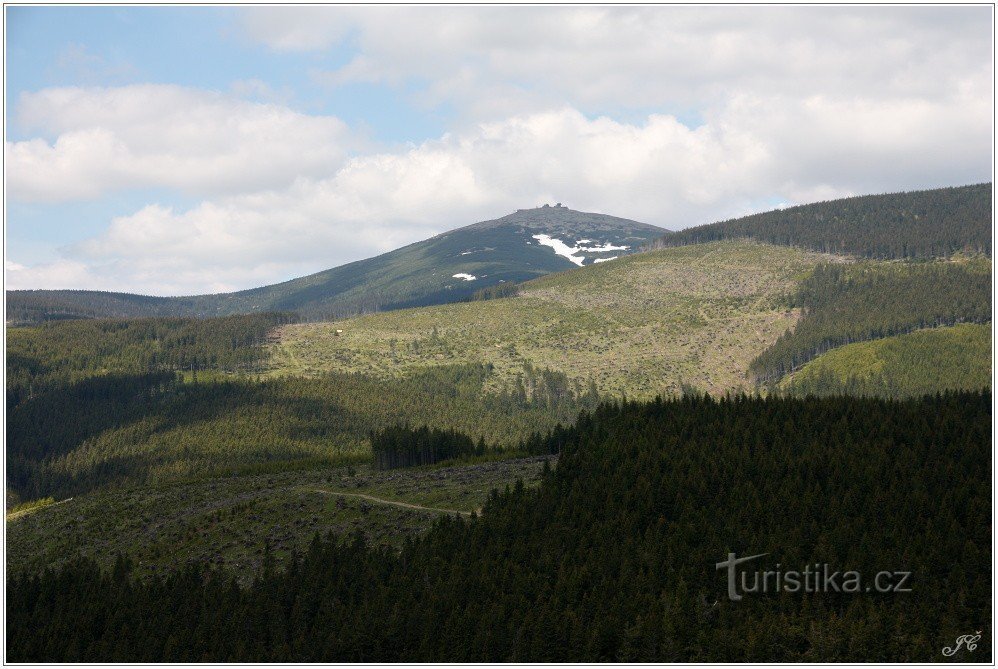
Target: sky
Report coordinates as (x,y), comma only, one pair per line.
(186,150)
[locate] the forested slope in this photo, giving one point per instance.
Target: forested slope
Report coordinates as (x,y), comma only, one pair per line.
(918,224)
(612,559)
(427,272)
(53,354)
(919,363)
(842,304)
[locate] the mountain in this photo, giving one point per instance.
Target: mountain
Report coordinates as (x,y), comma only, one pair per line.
(919,224)
(447,268)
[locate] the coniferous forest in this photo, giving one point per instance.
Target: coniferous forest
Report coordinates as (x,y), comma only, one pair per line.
(842,304)
(920,224)
(612,558)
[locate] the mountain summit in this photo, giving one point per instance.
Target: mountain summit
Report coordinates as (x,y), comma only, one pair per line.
(449,267)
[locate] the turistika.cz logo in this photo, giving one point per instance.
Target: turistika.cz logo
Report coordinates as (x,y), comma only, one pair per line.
(817,577)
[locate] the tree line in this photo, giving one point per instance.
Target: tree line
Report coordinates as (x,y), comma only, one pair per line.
(402,446)
(919,363)
(920,224)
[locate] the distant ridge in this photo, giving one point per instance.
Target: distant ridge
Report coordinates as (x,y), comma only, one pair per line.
(447,268)
(917,224)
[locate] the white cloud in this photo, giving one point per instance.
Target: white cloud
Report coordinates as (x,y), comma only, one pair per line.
(659,171)
(198,142)
(52,275)
(499,59)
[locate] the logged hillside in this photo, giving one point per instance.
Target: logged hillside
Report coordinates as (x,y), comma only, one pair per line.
(919,363)
(647,324)
(612,558)
(919,224)
(447,268)
(230,522)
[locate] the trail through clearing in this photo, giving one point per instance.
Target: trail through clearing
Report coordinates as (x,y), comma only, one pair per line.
(378,500)
(25,512)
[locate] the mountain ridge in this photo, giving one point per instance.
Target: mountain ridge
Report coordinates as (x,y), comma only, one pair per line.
(448,267)
(917,224)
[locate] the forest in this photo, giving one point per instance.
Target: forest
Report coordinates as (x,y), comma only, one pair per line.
(612,558)
(32,307)
(920,224)
(53,354)
(842,304)
(403,446)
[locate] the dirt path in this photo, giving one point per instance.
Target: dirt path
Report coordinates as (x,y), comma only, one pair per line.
(378,500)
(22,514)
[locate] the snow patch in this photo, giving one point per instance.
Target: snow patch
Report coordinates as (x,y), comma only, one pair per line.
(603,249)
(561,248)
(605,259)
(466,277)
(570,252)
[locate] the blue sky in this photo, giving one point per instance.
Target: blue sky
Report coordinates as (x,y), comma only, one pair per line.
(201,47)
(172,150)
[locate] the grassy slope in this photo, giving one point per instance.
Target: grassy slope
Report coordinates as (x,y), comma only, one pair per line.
(639,325)
(925,361)
(229,521)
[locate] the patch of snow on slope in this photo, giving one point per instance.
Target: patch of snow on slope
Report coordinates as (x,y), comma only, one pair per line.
(466,277)
(604,259)
(561,248)
(566,251)
(601,249)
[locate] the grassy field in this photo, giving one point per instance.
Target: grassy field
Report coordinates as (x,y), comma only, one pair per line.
(925,361)
(641,325)
(229,521)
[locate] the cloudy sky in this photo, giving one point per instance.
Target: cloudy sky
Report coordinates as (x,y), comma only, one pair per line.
(193,149)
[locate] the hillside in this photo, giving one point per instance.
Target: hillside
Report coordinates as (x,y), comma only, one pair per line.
(642,325)
(229,521)
(868,300)
(919,224)
(447,268)
(919,363)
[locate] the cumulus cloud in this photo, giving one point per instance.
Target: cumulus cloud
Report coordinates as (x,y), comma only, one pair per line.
(659,171)
(198,142)
(639,57)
